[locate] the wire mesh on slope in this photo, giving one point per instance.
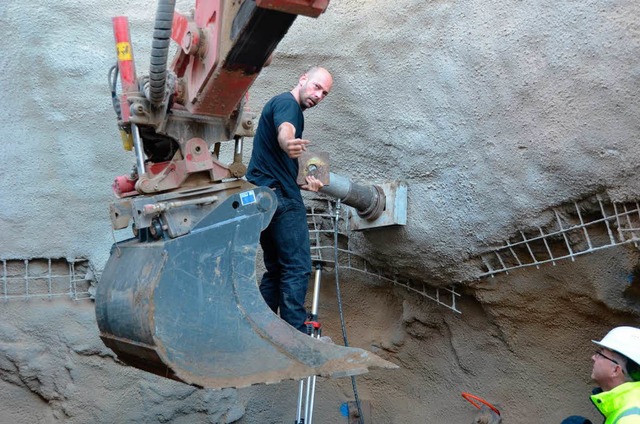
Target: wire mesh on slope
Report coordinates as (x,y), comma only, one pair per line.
(591,225)
(46,278)
(324,221)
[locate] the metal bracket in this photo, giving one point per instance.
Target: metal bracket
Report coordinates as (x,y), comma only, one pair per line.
(315,164)
(394,213)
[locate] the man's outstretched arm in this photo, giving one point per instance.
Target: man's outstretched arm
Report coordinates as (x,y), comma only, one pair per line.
(293,146)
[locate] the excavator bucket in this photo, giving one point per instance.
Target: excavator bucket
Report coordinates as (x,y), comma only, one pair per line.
(189,308)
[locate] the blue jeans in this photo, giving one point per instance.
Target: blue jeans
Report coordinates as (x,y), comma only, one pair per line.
(287,258)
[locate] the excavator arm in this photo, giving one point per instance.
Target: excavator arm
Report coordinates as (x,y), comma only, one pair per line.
(179,298)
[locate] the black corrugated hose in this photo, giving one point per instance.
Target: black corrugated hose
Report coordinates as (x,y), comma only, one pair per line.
(160,51)
(113,81)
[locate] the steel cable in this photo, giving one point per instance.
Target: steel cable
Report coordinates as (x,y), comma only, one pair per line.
(339,296)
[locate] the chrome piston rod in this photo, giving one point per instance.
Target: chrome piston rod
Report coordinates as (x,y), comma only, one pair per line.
(368,200)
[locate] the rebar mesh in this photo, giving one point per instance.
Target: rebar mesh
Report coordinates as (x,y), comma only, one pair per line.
(46,278)
(324,221)
(591,225)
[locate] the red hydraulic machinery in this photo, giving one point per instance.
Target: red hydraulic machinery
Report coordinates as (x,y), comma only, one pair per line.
(180,299)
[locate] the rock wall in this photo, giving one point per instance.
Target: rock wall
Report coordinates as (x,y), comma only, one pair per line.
(54,368)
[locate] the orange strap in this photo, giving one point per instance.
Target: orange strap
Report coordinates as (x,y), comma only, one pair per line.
(473,398)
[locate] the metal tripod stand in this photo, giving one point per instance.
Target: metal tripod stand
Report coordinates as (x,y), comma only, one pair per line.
(314,330)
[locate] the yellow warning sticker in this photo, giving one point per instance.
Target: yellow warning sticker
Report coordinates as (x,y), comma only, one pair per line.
(124,51)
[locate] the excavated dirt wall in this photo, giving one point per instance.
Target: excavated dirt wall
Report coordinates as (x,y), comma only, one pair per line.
(521,342)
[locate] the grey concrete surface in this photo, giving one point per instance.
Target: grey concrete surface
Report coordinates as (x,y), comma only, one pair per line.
(491,111)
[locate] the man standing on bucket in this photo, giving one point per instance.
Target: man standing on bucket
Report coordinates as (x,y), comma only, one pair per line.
(277,145)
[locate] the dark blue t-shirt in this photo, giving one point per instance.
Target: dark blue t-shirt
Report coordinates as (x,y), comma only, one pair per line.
(270,166)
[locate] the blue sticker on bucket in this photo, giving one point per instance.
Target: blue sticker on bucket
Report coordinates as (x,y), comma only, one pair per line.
(247,198)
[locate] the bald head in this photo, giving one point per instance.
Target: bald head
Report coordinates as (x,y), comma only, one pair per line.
(313,86)
(318,71)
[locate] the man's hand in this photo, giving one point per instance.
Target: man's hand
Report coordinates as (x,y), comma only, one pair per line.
(295,147)
(313,184)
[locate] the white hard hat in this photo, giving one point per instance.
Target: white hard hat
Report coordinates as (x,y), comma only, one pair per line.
(624,340)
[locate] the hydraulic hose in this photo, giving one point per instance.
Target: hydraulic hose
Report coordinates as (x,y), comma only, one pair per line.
(160,52)
(113,83)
